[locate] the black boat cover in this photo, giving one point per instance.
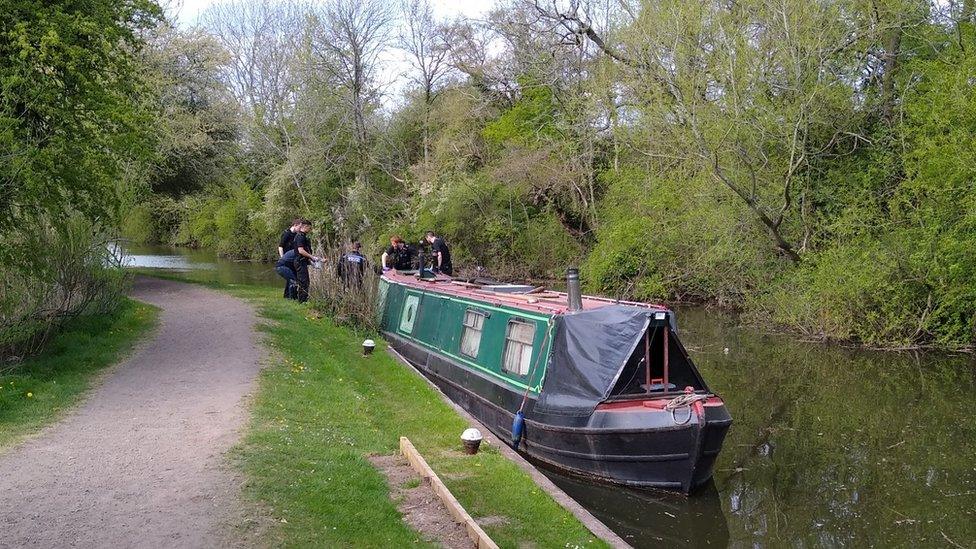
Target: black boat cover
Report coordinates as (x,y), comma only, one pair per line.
(590,349)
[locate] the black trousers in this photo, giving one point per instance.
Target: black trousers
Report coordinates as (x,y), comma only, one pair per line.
(301,275)
(289,275)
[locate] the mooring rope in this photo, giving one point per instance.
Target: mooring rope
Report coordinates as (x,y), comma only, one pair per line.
(686,400)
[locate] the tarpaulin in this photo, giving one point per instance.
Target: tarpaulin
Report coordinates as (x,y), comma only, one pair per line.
(590,348)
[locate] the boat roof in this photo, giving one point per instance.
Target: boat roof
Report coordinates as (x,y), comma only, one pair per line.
(519,296)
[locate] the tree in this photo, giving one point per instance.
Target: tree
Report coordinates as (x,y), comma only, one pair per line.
(427,44)
(75,139)
(71,126)
(347,39)
(198,118)
(755,91)
(263,40)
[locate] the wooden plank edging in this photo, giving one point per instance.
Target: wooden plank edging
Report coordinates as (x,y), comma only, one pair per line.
(477,535)
(593,524)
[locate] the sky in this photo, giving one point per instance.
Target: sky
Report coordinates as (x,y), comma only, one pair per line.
(187,12)
(191,9)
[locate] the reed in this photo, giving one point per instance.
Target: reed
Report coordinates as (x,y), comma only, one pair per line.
(349,302)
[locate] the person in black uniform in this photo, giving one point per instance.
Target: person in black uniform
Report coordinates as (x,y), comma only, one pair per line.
(284,243)
(398,256)
(351,266)
(303,256)
(442,255)
(284,246)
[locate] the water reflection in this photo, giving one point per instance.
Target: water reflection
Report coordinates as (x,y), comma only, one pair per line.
(835,446)
(653,519)
(201,264)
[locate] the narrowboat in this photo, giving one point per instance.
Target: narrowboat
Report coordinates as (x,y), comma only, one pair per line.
(598,388)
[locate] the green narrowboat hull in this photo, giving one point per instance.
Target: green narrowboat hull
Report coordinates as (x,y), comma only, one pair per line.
(624,442)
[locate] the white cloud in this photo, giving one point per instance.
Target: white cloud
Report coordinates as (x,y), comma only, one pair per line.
(187,12)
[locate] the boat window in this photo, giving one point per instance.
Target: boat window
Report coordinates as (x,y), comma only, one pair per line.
(409,314)
(471,334)
(518,346)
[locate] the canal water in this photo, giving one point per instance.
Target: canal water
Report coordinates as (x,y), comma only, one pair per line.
(200,263)
(830,447)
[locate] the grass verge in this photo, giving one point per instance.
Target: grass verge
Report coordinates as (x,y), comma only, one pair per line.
(40,389)
(321,408)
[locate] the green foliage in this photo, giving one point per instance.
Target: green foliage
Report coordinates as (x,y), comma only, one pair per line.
(57,378)
(490,224)
(815,170)
(228,223)
(75,140)
(71,124)
(673,238)
(196,118)
(528,121)
(157,220)
(899,268)
(853,291)
(66,269)
(458,117)
(225,219)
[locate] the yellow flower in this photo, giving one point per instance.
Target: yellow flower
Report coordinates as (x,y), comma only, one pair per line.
(30,395)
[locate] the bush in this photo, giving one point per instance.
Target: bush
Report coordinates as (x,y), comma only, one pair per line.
(491,225)
(226,219)
(348,304)
(58,272)
(678,238)
(897,289)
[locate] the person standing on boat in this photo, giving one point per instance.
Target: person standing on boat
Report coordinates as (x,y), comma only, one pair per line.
(303,256)
(441,253)
(398,256)
(351,266)
(285,267)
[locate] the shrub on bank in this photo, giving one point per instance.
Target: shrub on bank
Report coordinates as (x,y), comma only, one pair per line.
(897,290)
(348,304)
(492,225)
(225,219)
(55,272)
(680,238)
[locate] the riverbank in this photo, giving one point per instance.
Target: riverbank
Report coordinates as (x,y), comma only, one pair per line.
(40,390)
(321,410)
(756,311)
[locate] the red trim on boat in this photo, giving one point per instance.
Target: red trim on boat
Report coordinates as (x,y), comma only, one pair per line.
(546,302)
(654,404)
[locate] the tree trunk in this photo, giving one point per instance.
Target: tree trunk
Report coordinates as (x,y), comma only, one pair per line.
(427,106)
(888,78)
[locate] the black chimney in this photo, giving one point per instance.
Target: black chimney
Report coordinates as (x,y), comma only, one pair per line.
(574,296)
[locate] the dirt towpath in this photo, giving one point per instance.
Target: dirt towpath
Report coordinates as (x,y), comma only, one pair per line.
(141,462)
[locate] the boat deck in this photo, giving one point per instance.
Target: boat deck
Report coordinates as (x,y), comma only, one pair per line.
(537,300)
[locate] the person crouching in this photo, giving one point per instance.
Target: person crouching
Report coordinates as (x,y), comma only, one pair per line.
(285,267)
